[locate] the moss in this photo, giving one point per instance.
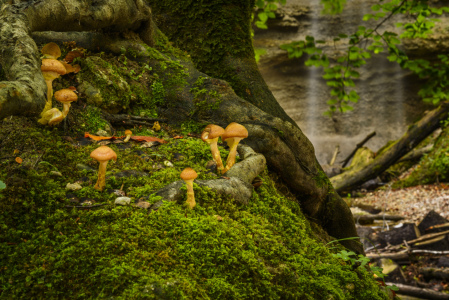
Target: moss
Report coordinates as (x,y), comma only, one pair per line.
(265,250)
(432,167)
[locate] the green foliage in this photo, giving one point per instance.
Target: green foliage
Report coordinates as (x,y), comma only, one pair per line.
(333,6)
(2,185)
(158,91)
(266,9)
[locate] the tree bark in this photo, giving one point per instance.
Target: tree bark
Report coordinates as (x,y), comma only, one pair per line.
(414,135)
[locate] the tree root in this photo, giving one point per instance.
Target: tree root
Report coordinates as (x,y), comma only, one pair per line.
(236,185)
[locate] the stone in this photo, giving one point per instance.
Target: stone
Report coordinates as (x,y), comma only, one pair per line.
(122,201)
(73,186)
(143,204)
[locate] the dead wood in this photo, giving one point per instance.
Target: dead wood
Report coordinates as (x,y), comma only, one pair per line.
(130,120)
(414,135)
(359,145)
(419,292)
(435,273)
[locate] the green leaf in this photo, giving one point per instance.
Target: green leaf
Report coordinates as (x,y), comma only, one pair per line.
(263,16)
(2,185)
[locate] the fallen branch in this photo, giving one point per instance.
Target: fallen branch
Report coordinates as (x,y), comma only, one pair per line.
(404,254)
(419,292)
(359,145)
(414,135)
(130,120)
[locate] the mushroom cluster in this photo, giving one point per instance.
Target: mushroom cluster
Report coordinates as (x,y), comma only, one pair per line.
(52,69)
(232,135)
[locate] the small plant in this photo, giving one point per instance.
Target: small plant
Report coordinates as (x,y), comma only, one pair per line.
(2,185)
(360,261)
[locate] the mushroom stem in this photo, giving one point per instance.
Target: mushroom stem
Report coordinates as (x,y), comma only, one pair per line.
(232,143)
(65,109)
(101,181)
(190,194)
(216,154)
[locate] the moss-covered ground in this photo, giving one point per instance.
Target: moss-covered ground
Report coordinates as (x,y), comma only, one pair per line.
(50,249)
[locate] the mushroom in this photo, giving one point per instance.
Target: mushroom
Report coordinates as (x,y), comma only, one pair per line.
(103,154)
(51,50)
(210,135)
(128,134)
(233,134)
(188,175)
(51,69)
(53,115)
(66,97)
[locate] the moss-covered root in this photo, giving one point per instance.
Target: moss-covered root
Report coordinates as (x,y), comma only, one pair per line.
(236,185)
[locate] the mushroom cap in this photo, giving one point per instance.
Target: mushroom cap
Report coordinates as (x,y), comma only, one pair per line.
(234,130)
(188,174)
(53,65)
(103,153)
(211,132)
(128,132)
(51,50)
(66,96)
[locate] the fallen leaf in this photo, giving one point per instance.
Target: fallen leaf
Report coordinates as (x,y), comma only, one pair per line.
(97,138)
(178,137)
(147,139)
(19,160)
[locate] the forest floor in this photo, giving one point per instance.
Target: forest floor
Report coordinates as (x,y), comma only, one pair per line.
(413,203)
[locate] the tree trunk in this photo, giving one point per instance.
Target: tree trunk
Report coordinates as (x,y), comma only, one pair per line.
(271,131)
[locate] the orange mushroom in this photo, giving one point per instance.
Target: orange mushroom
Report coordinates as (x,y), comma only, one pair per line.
(128,134)
(51,50)
(233,134)
(103,154)
(66,97)
(188,175)
(210,135)
(51,69)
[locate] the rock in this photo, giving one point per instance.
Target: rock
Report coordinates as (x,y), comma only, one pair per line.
(396,236)
(431,219)
(443,262)
(122,201)
(168,164)
(392,271)
(143,204)
(73,186)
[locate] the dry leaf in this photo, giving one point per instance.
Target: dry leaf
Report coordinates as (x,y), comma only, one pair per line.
(19,160)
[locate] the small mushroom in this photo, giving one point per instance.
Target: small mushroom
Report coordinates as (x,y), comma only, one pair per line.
(188,175)
(128,134)
(51,50)
(233,134)
(103,154)
(66,97)
(53,115)
(51,69)
(210,135)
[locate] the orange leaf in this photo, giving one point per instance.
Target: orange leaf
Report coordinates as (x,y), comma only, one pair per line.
(147,139)
(97,138)
(19,160)
(178,137)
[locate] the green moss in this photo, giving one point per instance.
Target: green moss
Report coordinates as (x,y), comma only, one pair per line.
(204,99)
(433,167)
(265,250)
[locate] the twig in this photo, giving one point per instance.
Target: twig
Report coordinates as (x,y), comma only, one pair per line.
(345,162)
(84,206)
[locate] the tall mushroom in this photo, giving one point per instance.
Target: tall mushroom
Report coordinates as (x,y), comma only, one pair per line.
(188,175)
(51,69)
(66,97)
(103,154)
(233,134)
(210,135)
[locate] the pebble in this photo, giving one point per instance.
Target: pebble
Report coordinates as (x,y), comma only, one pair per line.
(143,204)
(168,164)
(55,173)
(73,186)
(123,201)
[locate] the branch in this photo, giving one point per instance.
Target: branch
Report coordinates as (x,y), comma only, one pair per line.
(414,135)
